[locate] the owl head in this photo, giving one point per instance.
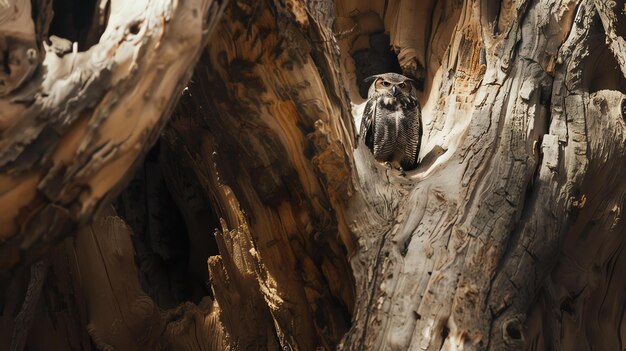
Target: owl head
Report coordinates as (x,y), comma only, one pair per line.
(389,84)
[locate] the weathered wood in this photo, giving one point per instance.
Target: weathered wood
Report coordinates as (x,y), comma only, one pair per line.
(472,235)
(261,125)
(507,236)
(102,109)
(95,299)
(582,298)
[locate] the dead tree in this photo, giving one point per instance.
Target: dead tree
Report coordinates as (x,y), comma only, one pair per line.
(508,235)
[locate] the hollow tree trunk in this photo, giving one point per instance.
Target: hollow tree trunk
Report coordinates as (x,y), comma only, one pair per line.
(508,235)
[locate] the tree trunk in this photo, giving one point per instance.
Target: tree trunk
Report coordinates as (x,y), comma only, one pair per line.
(508,235)
(75,117)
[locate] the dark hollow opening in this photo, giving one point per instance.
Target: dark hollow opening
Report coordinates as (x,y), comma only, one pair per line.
(600,69)
(513,331)
(78,21)
(445,332)
(491,13)
(5,61)
(375,59)
(371,50)
(567,306)
(161,238)
(134,28)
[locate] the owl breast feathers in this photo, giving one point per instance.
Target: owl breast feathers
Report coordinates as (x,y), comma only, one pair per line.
(391,125)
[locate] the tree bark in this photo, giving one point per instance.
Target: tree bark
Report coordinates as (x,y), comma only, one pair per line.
(75,120)
(508,235)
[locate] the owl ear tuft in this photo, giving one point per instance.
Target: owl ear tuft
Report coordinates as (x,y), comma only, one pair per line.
(411,82)
(370,79)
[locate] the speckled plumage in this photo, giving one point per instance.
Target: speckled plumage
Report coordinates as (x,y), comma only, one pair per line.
(391,126)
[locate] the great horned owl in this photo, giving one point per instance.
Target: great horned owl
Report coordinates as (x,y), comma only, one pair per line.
(391,125)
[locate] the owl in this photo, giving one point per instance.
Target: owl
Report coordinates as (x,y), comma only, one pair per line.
(391,126)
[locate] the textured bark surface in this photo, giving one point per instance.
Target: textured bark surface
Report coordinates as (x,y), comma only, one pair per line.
(75,119)
(260,128)
(522,127)
(258,222)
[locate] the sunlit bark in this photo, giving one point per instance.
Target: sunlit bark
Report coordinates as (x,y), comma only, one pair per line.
(508,235)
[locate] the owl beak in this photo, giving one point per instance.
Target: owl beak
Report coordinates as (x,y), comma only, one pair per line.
(394,90)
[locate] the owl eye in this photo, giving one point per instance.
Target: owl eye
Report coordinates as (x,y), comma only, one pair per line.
(386,83)
(402,85)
